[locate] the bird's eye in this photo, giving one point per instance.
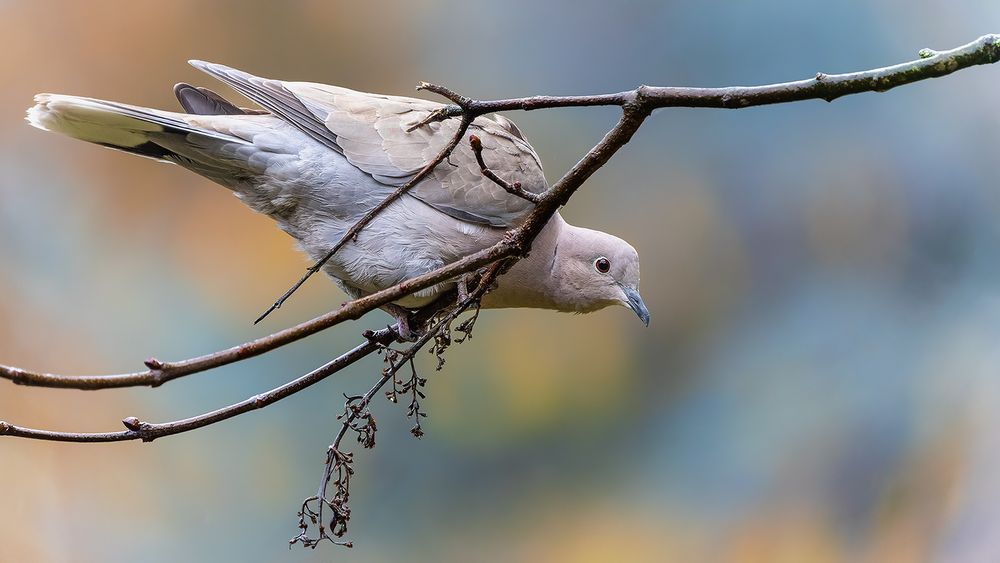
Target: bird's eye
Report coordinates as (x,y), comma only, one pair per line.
(603,265)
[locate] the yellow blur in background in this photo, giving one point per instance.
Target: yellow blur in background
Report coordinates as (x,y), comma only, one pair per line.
(818,383)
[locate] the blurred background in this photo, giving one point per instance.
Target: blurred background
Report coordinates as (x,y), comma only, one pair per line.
(820,381)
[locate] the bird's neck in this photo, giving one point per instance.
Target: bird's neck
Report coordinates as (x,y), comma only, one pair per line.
(534,281)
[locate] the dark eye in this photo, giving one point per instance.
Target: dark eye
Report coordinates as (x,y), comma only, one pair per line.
(603,265)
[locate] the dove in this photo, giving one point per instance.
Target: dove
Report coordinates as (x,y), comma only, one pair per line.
(316,158)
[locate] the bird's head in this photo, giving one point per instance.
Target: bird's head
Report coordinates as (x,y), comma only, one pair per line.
(598,270)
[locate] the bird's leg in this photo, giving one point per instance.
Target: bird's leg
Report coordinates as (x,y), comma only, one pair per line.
(402,316)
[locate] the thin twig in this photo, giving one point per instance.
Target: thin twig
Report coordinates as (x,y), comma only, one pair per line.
(511,188)
(931,64)
(461,101)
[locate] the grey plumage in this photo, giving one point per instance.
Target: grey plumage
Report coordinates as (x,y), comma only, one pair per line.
(318,157)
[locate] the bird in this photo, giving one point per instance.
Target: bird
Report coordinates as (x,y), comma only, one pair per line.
(315,158)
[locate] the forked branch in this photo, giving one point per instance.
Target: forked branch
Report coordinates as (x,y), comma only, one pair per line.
(135,429)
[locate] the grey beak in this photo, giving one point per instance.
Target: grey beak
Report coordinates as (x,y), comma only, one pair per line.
(635,302)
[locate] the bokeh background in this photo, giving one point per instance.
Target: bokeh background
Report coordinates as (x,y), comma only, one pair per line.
(820,382)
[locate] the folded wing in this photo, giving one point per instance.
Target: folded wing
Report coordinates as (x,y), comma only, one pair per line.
(370,131)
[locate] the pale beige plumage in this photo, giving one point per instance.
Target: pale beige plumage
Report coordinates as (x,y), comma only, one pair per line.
(320,156)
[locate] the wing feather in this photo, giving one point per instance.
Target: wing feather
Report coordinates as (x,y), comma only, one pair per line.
(370,131)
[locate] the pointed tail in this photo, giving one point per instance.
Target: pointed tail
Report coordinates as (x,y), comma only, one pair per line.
(119,126)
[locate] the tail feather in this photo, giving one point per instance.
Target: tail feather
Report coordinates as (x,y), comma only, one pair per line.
(128,128)
(202,101)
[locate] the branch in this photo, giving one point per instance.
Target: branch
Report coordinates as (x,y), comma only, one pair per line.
(147,432)
(931,64)
(636,103)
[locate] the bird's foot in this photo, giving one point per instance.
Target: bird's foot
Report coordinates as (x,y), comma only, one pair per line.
(402,316)
(404,330)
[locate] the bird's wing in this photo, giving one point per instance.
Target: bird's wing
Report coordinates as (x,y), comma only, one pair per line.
(370,131)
